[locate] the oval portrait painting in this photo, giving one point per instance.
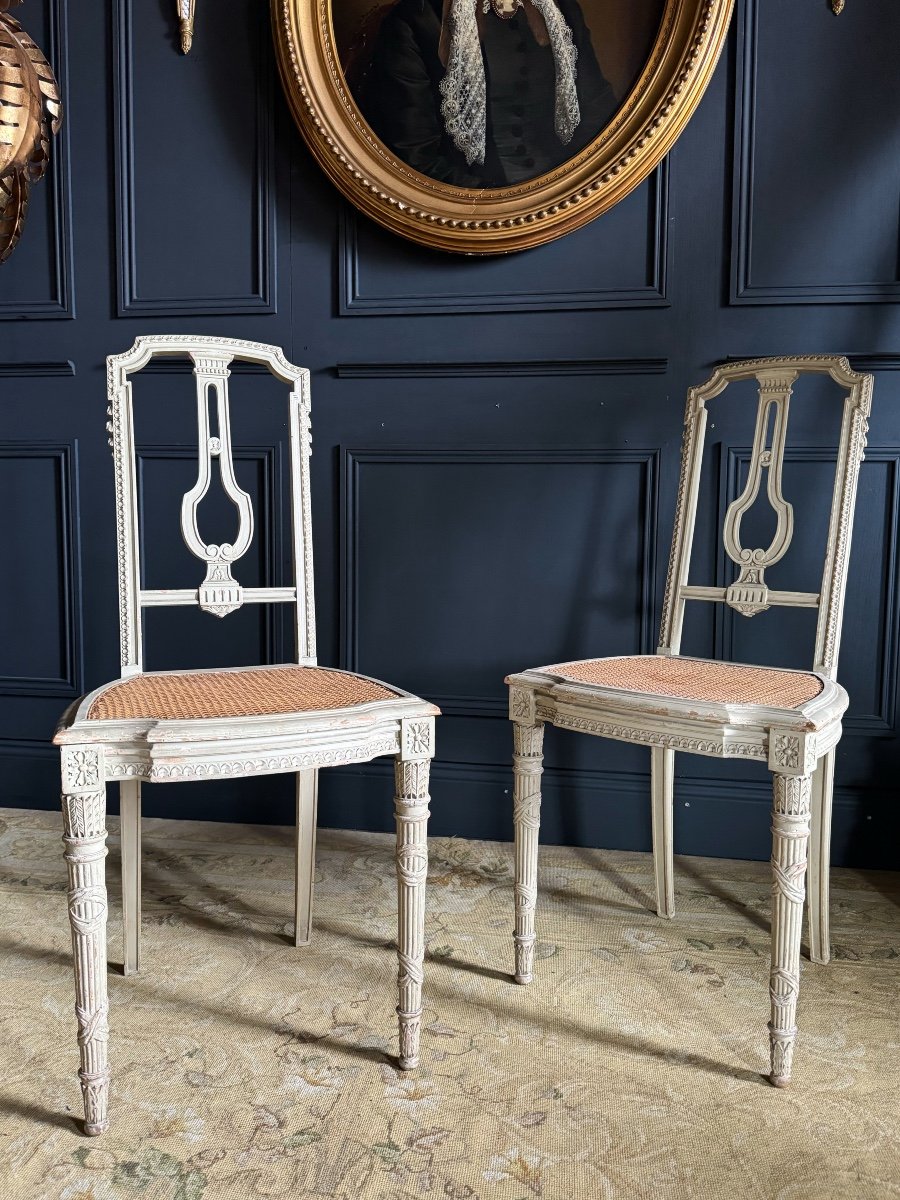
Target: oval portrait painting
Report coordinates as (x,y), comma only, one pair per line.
(484,126)
(491,93)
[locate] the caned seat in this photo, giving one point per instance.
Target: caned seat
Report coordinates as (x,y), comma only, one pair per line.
(156,727)
(787,720)
(246,692)
(645,676)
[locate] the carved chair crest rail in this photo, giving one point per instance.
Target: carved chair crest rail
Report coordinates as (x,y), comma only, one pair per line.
(183,725)
(790,721)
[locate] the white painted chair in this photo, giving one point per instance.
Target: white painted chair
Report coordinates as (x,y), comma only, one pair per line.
(787,720)
(159,726)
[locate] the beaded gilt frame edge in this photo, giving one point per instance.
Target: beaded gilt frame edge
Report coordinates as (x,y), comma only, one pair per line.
(496,221)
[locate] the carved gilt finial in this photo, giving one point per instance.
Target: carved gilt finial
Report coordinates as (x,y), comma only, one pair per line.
(30,115)
(837,6)
(186,23)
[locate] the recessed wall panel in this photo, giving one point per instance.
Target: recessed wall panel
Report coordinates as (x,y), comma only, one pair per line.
(194,161)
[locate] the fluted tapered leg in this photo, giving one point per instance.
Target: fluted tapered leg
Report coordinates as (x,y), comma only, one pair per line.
(411,810)
(790,838)
(527,766)
(130,828)
(305,857)
(84,823)
(662,785)
(821,794)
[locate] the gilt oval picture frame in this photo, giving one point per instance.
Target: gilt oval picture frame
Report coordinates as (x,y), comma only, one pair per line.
(488,126)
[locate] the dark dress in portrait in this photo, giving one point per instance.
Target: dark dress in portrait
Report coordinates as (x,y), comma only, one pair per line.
(401,100)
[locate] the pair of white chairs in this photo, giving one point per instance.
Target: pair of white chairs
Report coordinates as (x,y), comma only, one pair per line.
(298,717)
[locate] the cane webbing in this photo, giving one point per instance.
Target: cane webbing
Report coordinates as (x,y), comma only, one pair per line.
(255,692)
(695,679)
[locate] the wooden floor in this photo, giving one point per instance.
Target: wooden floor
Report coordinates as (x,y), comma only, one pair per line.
(631,1067)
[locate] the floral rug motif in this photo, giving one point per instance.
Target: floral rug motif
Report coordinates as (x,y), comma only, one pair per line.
(630,1068)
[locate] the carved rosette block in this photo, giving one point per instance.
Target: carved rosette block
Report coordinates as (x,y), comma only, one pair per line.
(84,826)
(790,840)
(791,752)
(411,799)
(527,767)
(521,705)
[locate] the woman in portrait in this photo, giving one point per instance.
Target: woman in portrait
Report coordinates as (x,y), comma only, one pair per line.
(484,93)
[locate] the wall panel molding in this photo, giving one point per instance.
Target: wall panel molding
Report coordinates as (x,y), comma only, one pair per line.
(260,297)
(353,303)
(743,288)
(647,461)
(68,684)
(37,370)
(528,368)
(60,304)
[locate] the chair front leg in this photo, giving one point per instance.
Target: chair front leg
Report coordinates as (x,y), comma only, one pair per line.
(84,823)
(790,839)
(411,771)
(130,829)
(528,760)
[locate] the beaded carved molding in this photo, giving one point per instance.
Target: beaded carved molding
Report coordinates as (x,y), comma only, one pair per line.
(493,220)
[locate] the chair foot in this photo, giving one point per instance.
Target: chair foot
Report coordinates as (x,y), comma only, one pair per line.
(780,1081)
(524,947)
(410,1028)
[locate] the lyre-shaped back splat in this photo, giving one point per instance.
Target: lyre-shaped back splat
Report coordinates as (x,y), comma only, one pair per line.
(749,594)
(219,593)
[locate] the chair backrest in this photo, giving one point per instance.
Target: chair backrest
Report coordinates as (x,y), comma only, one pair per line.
(219,592)
(749,593)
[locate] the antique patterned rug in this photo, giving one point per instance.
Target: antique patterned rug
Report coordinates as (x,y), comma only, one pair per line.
(245,1068)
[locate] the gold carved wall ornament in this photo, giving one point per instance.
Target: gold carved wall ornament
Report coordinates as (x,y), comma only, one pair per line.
(30,112)
(186,10)
(441,120)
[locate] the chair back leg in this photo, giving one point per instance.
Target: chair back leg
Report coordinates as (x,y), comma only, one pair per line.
(305,858)
(820,859)
(662,787)
(130,828)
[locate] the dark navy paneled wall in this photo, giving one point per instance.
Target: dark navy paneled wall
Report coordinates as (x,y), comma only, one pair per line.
(496,441)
